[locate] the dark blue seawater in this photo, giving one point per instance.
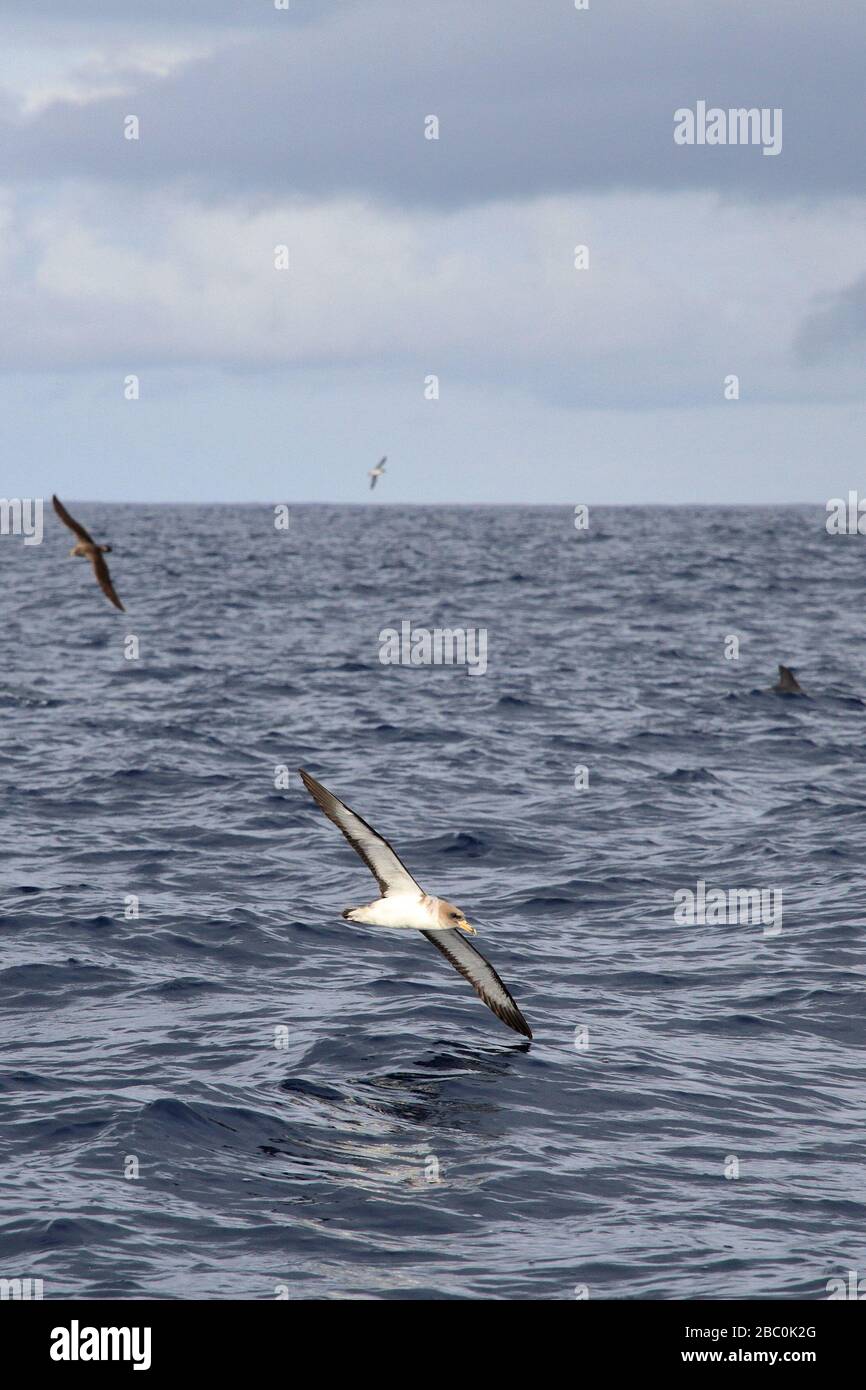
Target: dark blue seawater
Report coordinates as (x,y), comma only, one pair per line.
(308,1166)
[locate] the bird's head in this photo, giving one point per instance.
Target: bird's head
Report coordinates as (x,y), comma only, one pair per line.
(451,916)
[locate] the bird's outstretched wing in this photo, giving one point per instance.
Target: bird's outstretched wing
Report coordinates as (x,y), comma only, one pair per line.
(373,481)
(100,569)
(388,870)
(481,976)
(70,520)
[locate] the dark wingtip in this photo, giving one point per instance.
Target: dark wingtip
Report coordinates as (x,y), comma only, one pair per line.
(514,1018)
(316,790)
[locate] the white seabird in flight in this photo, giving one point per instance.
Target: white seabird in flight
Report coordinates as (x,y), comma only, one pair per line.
(375,474)
(405,904)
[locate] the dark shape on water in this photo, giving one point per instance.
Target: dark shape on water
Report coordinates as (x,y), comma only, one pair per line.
(787,683)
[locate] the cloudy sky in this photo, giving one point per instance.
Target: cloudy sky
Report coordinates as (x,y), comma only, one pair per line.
(410,257)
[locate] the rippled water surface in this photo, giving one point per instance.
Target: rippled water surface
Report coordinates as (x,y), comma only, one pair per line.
(309,1165)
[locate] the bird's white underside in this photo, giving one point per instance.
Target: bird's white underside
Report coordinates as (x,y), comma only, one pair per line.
(400,910)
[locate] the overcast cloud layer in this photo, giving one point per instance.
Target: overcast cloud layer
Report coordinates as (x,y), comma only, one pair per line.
(410,257)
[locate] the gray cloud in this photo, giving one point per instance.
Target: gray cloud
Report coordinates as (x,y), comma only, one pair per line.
(682,291)
(836,327)
(86,15)
(411,257)
(532,100)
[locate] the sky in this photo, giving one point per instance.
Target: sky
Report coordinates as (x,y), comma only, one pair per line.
(431,308)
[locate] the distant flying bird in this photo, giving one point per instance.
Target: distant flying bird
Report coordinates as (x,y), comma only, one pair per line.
(87,547)
(375,473)
(787,683)
(405,904)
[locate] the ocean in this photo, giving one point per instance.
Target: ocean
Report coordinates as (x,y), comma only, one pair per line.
(212,1087)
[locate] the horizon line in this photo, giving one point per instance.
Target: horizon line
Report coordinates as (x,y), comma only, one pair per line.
(270,502)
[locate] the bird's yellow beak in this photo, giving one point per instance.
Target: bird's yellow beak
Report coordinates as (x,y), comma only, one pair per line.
(464,926)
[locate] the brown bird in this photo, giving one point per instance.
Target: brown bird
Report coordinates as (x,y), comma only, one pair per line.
(87,547)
